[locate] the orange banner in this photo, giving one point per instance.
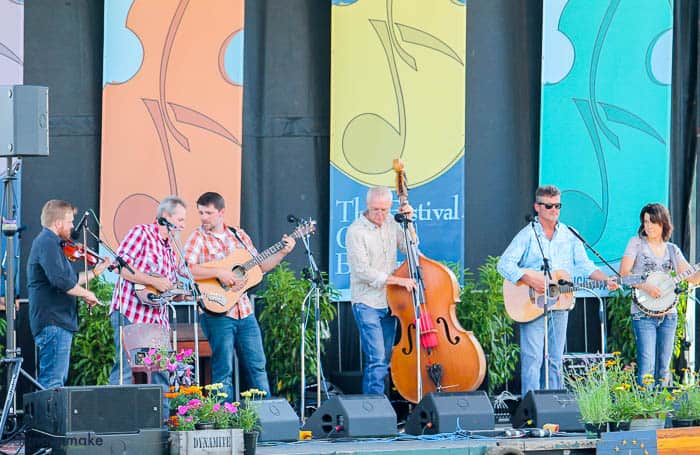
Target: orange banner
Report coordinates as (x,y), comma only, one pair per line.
(172,108)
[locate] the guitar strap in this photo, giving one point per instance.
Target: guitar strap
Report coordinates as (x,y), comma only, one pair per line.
(240,240)
(672,255)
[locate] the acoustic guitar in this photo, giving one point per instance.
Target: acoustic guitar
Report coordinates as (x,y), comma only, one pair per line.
(524,304)
(218,297)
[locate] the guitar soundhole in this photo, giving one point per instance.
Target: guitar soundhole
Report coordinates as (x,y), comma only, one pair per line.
(239,272)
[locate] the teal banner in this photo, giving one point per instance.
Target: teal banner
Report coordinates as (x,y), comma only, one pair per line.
(605,114)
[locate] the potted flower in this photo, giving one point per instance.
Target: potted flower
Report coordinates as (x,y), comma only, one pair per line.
(248,418)
(202,420)
(687,398)
(652,404)
(621,380)
(592,393)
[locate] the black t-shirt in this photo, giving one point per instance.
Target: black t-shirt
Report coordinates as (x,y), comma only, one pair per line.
(49,276)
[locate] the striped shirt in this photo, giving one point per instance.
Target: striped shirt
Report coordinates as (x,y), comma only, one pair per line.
(145,250)
(203,246)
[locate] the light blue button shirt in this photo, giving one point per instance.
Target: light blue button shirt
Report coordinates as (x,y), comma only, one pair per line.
(564,251)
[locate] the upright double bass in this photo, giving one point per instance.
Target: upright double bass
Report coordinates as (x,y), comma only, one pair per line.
(435,353)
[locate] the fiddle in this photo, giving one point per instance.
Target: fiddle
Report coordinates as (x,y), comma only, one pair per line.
(75,251)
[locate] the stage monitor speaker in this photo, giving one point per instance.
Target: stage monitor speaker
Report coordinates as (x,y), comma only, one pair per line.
(548,406)
(24,120)
(97,409)
(449,412)
(143,442)
(278,421)
(353,416)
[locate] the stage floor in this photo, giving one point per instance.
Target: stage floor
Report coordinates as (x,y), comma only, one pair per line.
(436,445)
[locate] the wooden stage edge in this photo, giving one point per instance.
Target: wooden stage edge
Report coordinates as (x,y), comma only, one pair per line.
(672,441)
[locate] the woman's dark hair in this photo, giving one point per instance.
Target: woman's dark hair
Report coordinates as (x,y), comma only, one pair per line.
(658,214)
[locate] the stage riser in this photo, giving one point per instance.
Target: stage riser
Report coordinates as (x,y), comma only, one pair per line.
(145,442)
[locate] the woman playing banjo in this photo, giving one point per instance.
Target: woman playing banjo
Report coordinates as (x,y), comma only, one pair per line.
(654,313)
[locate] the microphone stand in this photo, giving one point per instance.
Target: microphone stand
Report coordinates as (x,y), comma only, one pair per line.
(601,303)
(197,294)
(418,294)
(547,294)
(318,287)
(121,264)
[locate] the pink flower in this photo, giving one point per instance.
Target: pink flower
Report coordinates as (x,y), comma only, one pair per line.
(194,403)
(151,351)
(158,357)
(147,361)
(216,407)
(187,352)
(180,357)
(230,407)
(171,366)
(188,419)
(182,410)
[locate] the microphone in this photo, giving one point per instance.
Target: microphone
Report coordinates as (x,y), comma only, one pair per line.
(293,219)
(163,222)
(563,282)
(401,218)
(75,233)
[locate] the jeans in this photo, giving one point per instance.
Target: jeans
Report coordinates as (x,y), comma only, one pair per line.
(655,338)
(225,334)
(532,367)
(377,332)
(54,355)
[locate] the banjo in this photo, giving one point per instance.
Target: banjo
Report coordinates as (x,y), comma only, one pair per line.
(668,285)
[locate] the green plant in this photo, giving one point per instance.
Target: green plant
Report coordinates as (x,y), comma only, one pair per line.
(687,396)
(247,418)
(93,352)
(483,312)
(280,322)
(620,323)
(592,392)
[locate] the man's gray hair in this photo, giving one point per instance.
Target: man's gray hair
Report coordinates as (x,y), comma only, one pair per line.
(168,205)
(379,192)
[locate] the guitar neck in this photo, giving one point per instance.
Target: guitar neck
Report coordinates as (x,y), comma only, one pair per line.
(588,283)
(682,276)
(274,249)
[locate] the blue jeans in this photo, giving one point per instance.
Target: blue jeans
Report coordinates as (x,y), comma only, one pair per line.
(377,332)
(532,363)
(225,334)
(54,355)
(655,338)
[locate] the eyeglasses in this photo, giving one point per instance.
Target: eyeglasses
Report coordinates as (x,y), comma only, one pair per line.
(550,206)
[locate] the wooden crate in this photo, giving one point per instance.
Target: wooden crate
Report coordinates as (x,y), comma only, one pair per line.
(206,442)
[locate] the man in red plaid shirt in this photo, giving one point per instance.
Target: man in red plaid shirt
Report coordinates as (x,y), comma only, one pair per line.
(147,249)
(238,328)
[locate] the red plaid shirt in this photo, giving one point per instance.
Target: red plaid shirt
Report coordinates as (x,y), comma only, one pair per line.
(145,250)
(203,246)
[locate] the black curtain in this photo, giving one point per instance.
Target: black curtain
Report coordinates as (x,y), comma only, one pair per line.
(684,117)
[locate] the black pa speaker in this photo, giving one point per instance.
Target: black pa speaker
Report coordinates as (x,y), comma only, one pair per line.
(445,412)
(143,442)
(278,421)
(98,409)
(353,416)
(24,120)
(548,406)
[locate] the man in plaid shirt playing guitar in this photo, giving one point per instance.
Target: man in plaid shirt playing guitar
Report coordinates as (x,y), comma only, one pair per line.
(238,328)
(147,249)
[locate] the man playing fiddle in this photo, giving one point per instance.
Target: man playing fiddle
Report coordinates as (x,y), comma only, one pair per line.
(149,253)
(53,286)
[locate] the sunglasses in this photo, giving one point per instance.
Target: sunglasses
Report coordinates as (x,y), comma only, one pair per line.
(550,206)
